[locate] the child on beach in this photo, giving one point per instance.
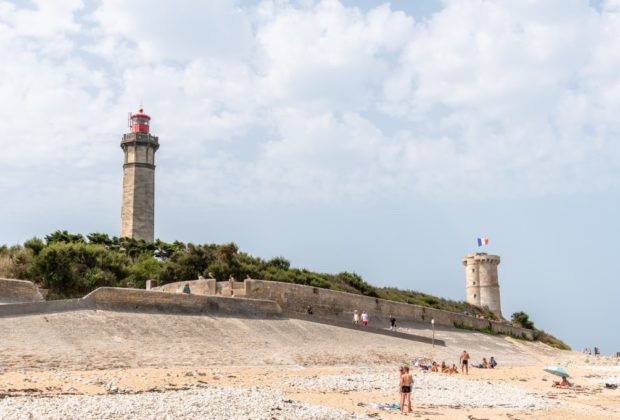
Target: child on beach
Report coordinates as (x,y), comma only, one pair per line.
(405,384)
(365,319)
(356,317)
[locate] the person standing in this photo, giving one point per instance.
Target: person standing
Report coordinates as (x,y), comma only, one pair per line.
(392,323)
(186,289)
(231,284)
(464,362)
(365,318)
(405,384)
(356,317)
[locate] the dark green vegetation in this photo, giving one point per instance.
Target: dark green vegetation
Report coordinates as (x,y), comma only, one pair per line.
(521,319)
(70,265)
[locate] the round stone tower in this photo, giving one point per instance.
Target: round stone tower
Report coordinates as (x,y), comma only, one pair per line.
(138,211)
(481,283)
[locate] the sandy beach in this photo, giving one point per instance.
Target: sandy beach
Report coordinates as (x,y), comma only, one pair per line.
(97,364)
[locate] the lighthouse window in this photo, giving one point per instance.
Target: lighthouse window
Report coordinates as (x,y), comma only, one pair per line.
(143,121)
(473,270)
(475,295)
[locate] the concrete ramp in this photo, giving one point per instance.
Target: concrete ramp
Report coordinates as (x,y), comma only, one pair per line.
(368,329)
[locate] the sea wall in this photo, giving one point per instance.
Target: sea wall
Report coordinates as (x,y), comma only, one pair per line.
(135,300)
(18,291)
(324,302)
(45,307)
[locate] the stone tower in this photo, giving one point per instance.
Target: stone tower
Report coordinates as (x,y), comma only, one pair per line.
(481,284)
(138,211)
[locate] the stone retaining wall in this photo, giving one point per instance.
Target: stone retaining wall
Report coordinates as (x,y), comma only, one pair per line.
(115,299)
(325,302)
(204,287)
(135,300)
(17,291)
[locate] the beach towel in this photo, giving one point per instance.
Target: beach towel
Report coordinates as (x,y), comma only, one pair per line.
(380,406)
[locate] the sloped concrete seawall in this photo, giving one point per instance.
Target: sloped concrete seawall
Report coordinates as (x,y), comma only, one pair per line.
(296,298)
(135,300)
(19,291)
(114,299)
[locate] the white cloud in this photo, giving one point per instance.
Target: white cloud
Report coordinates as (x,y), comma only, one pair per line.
(45,19)
(182,30)
(314,101)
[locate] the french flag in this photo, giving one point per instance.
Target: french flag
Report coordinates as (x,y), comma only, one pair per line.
(483,241)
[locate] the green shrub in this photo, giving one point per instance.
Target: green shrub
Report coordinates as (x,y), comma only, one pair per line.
(521,319)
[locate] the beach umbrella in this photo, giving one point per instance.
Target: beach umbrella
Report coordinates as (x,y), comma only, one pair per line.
(558,371)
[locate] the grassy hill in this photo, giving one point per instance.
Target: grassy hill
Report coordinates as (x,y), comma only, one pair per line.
(71,265)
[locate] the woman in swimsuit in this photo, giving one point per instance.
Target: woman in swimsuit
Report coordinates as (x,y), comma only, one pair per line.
(406,382)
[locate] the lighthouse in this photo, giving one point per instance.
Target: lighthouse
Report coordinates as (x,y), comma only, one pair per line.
(138,208)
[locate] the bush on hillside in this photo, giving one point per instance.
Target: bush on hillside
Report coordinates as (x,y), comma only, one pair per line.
(71,265)
(521,319)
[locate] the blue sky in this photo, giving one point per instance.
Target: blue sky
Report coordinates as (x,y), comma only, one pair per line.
(344,135)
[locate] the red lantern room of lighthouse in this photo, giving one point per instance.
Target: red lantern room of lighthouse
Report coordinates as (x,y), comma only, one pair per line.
(139,123)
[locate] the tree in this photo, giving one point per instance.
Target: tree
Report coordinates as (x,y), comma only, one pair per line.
(521,319)
(99,238)
(145,268)
(74,269)
(36,245)
(280,263)
(64,236)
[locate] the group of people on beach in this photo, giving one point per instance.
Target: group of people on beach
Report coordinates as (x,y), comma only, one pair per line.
(406,379)
(443,368)
(363,319)
(463,360)
(360,319)
(589,352)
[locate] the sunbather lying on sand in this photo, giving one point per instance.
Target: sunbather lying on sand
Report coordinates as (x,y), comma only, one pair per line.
(565,384)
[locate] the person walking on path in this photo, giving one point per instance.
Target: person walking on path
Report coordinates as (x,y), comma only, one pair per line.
(356,317)
(186,289)
(365,318)
(464,362)
(405,384)
(392,323)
